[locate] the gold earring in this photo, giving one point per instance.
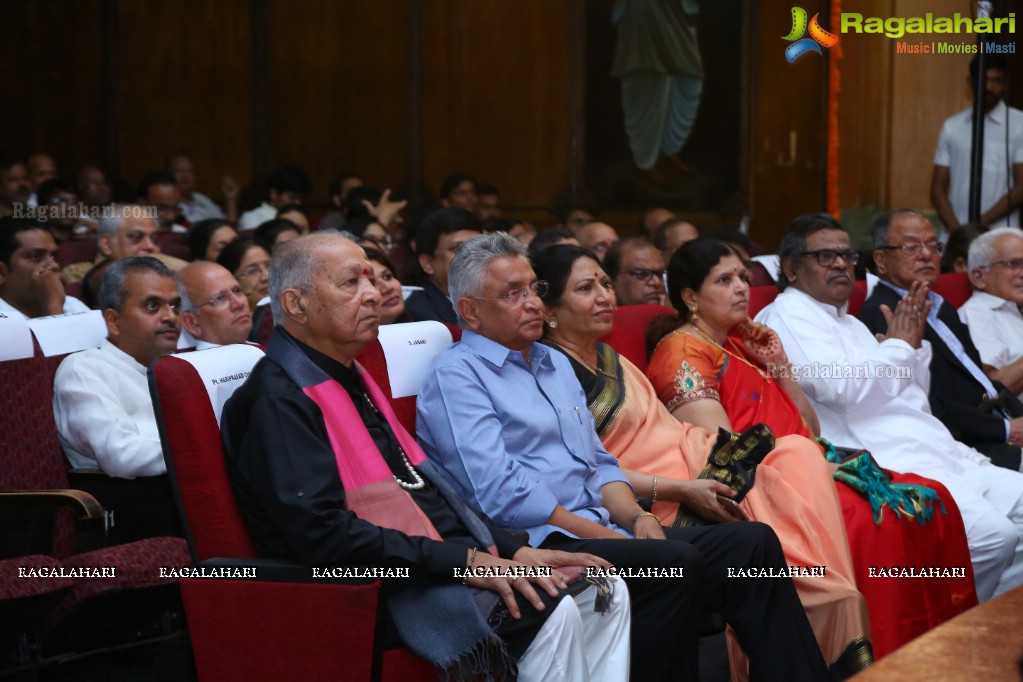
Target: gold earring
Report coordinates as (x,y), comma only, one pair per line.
(693,316)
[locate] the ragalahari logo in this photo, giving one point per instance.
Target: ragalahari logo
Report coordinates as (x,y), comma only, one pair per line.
(818,36)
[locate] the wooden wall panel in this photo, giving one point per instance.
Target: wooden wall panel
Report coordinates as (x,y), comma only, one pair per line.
(336,90)
(183,77)
(51,65)
(496,95)
(926,89)
(788,140)
(864,105)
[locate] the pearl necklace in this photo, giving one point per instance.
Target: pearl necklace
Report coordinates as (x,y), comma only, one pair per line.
(417,481)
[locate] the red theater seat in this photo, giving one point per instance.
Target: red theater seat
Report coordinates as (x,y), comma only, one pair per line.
(628,334)
(283,625)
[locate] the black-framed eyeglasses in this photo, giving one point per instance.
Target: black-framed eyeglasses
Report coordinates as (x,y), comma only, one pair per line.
(827,257)
(1009,264)
(518,296)
(912,250)
(219,300)
(644,274)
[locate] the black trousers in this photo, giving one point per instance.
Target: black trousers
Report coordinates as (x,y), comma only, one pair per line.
(764,612)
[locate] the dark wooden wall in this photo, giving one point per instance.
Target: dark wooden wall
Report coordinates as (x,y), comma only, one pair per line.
(396,90)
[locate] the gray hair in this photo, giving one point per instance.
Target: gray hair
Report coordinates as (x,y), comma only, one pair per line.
(982,249)
(113,216)
(112,291)
(468,271)
(293,266)
(882,225)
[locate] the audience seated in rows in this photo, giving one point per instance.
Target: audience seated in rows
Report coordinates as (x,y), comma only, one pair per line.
(214,309)
(308,418)
(880,401)
(30,282)
(532,462)
(962,396)
(636,268)
(160,191)
(101,398)
(438,238)
(64,219)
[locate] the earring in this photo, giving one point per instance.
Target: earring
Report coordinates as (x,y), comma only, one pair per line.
(693,317)
(553,324)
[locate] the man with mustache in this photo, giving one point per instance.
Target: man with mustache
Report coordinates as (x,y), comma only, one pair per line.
(872,394)
(101,401)
(906,250)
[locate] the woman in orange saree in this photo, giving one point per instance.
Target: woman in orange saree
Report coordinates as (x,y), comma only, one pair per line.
(711,369)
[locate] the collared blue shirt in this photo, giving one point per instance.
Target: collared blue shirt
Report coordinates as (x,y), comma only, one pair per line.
(515,440)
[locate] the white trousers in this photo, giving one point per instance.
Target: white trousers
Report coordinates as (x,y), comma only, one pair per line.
(578,644)
(994,526)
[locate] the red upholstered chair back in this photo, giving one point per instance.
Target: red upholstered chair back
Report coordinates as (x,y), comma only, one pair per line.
(760,298)
(858,296)
(628,334)
(190,432)
(77,251)
(30,455)
(954,287)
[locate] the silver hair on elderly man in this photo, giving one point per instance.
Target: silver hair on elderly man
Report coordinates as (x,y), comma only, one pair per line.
(468,273)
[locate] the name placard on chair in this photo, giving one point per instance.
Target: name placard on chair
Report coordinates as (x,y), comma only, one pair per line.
(410,349)
(222,370)
(61,334)
(15,338)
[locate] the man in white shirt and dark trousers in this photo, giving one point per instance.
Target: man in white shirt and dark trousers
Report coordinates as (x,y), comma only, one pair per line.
(1002,184)
(873,395)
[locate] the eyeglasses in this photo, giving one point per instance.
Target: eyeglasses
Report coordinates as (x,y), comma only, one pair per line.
(518,296)
(254,270)
(827,257)
(224,297)
(1015,264)
(912,250)
(644,274)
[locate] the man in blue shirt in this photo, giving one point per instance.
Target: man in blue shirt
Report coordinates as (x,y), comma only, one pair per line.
(506,422)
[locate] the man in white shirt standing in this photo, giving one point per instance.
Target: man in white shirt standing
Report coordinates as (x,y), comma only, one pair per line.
(30,282)
(101,400)
(992,313)
(1002,185)
(214,309)
(873,395)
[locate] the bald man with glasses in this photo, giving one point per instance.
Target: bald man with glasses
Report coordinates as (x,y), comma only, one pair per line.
(214,308)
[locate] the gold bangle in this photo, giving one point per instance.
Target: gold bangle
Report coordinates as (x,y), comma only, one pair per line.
(468,565)
(638,515)
(654,496)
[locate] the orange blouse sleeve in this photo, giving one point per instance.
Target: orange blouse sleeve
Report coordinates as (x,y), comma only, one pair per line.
(684,368)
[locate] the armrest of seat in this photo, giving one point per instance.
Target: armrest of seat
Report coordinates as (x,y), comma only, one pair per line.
(137,508)
(85,506)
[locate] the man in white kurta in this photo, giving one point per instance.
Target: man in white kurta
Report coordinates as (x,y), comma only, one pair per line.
(854,384)
(101,401)
(992,313)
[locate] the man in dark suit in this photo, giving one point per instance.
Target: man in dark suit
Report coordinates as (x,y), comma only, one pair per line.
(978,411)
